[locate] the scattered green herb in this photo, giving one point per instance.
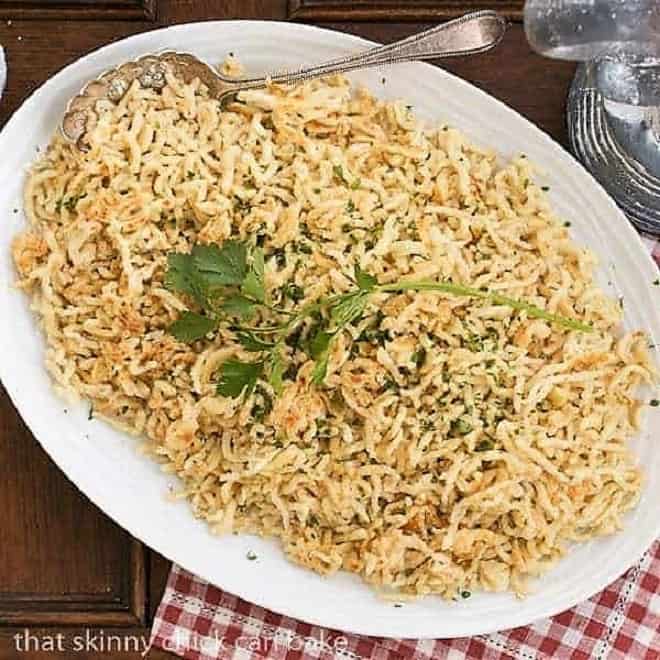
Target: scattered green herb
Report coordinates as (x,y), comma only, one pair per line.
(280,257)
(485,445)
(390,384)
(338,171)
(69,203)
(261,410)
(293,292)
(374,333)
(460,427)
(428,425)
(419,357)
(241,205)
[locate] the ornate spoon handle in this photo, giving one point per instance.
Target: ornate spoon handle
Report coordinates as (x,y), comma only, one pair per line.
(468,35)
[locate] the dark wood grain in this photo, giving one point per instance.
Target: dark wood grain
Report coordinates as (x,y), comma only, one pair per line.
(78,10)
(395,10)
(60,561)
(64,566)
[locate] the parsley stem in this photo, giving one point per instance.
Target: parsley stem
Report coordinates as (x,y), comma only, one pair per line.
(263,329)
(461,290)
(277,310)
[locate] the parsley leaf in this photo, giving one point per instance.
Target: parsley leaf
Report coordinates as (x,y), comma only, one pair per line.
(190,327)
(253,283)
(365,281)
(236,376)
(180,273)
(238,306)
(226,264)
(183,277)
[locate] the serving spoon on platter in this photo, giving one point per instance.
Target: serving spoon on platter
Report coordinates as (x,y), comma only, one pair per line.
(471,34)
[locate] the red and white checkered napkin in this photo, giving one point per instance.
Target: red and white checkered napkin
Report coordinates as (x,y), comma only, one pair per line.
(200,622)
(653,245)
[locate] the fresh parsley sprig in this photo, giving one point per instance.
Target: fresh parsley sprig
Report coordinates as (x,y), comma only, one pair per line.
(227,284)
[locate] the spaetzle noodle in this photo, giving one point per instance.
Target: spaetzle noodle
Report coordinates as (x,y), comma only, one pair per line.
(455,444)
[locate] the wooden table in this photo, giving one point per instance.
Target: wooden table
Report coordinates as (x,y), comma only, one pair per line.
(65,568)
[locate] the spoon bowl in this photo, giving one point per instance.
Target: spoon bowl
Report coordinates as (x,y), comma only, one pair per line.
(471,34)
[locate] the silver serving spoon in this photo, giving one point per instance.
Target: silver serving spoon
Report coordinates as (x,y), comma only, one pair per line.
(470,34)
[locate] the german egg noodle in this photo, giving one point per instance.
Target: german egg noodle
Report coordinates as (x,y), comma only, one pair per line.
(454,444)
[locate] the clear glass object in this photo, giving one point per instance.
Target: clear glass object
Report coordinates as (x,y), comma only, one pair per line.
(614,103)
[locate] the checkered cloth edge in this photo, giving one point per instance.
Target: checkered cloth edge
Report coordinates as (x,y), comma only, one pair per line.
(652,243)
(198,621)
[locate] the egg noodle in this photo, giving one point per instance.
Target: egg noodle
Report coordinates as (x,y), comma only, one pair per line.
(454,444)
